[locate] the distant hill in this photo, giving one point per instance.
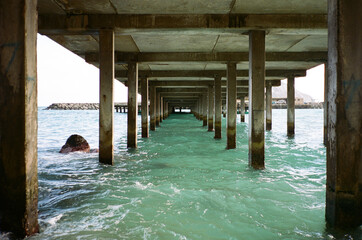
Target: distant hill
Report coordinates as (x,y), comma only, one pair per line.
(281,92)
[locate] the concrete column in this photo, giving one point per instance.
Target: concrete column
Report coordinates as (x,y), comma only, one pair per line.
(268,103)
(158,107)
(106,70)
(231,106)
(201,118)
(291,106)
(161,109)
(144,107)
(325,107)
(242,109)
(204,108)
(210,114)
(256,98)
(217,96)
(344,152)
(132,105)
(18,117)
(152,108)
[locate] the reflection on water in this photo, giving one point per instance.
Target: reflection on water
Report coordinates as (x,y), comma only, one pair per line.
(181,183)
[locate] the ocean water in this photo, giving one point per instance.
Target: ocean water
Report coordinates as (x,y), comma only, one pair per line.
(181,183)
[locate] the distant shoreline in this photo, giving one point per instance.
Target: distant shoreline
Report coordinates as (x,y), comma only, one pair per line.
(95,106)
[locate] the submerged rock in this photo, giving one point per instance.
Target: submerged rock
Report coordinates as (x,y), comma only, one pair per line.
(75,143)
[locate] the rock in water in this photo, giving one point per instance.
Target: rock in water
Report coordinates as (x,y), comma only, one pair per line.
(75,143)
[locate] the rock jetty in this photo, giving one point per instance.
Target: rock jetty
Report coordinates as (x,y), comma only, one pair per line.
(73,106)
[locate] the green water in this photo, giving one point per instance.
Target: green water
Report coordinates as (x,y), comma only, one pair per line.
(181,183)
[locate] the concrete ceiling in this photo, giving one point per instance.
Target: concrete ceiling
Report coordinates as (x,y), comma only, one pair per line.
(189,26)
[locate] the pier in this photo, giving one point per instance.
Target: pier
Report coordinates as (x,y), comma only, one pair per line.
(204,56)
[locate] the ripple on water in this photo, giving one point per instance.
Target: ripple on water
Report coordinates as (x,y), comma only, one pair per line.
(181,183)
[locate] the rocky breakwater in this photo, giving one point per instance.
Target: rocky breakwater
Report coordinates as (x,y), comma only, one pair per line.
(73,106)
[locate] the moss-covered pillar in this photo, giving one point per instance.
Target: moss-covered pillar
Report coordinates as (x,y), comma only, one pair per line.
(242,109)
(144,107)
(344,151)
(204,108)
(18,117)
(210,112)
(158,108)
(268,102)
(231,106)
(256,99)
(291,106)
(152,108)
(217,95)
(106,70)
(132,105)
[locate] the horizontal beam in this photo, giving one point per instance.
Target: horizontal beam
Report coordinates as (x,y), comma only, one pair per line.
(92,23)
(124,57)
(207,73)
(203,84)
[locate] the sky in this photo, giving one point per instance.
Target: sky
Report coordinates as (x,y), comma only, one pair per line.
(64,77)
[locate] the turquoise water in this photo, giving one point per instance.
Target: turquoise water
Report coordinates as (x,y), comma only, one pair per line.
(181,183)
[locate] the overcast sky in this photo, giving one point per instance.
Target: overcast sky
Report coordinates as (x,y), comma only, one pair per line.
(63,77)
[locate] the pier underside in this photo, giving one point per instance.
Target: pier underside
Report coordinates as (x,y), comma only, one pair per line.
(203,55)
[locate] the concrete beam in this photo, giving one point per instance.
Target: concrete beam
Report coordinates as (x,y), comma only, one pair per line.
(124,57)
(344,152)
(92,23)
(209,73)
(18,118)
(106,105)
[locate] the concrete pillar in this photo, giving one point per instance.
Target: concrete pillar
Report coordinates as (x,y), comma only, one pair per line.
(268,103)
(106,70)
(344,152)
(231,106)
(132,105)
(204,108)
(161,109)
(158,107)
(152,108)
(325,107)
(242,109)
(144,107)
(291,106)
(201,108)
(18,117)
(256,98)
(210,113)
(217,96)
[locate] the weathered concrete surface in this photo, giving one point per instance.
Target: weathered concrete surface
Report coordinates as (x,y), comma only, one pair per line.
(18,118)
(256,99)
(268,103)
(152,108)
(344,151)
(132,105)
(158,108)
(325,106)
(210,112)
(231,106)
(291,106)
(217,100)
(242,109)
(106,70)
(144,107)
(161,109)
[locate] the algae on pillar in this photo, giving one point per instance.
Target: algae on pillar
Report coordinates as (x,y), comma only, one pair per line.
(217,95)
(344,151)
(106,105)
(210,114)
(144,107)
(231,106)
(18,118)
(291,106)
(132,105)
(256,98)
(268,102)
